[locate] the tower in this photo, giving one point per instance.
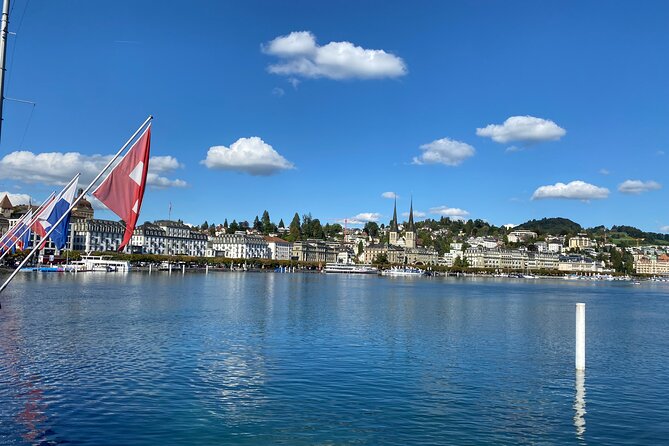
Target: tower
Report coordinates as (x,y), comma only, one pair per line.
(6,207)
(393,226)
(410,236)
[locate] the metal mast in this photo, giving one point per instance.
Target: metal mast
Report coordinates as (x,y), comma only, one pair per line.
(3,52)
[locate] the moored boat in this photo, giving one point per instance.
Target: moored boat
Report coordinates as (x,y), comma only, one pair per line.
(345,265)
(405,271)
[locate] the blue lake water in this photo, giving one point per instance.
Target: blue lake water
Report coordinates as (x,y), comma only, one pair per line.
(250,358)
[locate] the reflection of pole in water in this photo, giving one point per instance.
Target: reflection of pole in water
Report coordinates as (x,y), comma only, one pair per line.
(579,404)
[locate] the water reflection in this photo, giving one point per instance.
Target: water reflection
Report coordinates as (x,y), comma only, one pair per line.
(25,389)
(579,404)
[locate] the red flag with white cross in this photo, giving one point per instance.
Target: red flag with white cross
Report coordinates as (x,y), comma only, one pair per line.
(123,189)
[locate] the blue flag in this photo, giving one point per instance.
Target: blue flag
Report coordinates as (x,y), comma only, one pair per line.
(60,207)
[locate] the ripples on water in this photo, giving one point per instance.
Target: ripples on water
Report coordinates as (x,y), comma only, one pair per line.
(294,359)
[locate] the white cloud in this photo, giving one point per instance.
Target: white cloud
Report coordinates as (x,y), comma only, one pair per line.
(155,180)
(445,211)
(527,129)
(361,218)
(17,199)
(278,92)
(604,171)
(164,164)
(510,225)
(55,168)
(300,55)
(248,155)
(444,151)
(390,195)
(576,190)
(638,186)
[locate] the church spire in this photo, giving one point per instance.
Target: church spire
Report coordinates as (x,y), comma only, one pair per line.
(411,225)
(393,224)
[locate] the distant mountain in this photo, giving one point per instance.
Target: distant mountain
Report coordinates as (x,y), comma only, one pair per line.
(554,226)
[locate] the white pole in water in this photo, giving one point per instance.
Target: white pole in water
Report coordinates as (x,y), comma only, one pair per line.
(206,269)
(580,336)
(183,269)
(170,268)
(150,265)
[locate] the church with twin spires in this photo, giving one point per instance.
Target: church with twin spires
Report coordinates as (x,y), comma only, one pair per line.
(409,239)
(402,247)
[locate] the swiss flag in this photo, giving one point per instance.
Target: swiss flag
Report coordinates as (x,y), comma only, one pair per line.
(123,189)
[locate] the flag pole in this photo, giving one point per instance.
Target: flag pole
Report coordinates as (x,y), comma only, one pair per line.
(76,201)
(32,222)
(37,245)
(9,233)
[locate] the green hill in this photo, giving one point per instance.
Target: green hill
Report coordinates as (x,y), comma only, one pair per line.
(554,226)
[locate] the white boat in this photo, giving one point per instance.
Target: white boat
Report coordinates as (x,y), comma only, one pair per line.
(345,265)
(98,264)
(404,271)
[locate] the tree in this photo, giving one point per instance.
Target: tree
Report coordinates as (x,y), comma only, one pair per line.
(380,259)
(294,229)
(371,229)
(256,224)
(332,230)
(267,225)
(225,224)
(212,230)
(361,247)
(234,227)
(317,229)
(459,263)
(204,225)
(305,229)
(281,225)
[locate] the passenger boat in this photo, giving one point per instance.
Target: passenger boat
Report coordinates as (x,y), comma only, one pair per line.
(345,265)
(404,271)
(98,264)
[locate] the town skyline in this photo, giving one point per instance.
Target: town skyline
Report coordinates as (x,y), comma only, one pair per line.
(320,114)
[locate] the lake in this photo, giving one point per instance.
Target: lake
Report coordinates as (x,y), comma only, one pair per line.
(301,359)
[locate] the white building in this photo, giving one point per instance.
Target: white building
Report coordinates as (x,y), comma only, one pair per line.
(581,241)
(280,249)
(240,245)
(580,264)
(96,235)
(521,235)
(168,237)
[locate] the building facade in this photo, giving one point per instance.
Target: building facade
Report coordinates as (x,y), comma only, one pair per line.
(96,235)
(240,245)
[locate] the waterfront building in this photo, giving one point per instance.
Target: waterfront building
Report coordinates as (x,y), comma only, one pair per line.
(96,235)
(310,250)
(280,248)
(240,245)
(394,254)
(318,251)
(580,264)
(148,239)
(167,237)
(656,266)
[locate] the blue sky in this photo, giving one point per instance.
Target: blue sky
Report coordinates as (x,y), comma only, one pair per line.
(307,118)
